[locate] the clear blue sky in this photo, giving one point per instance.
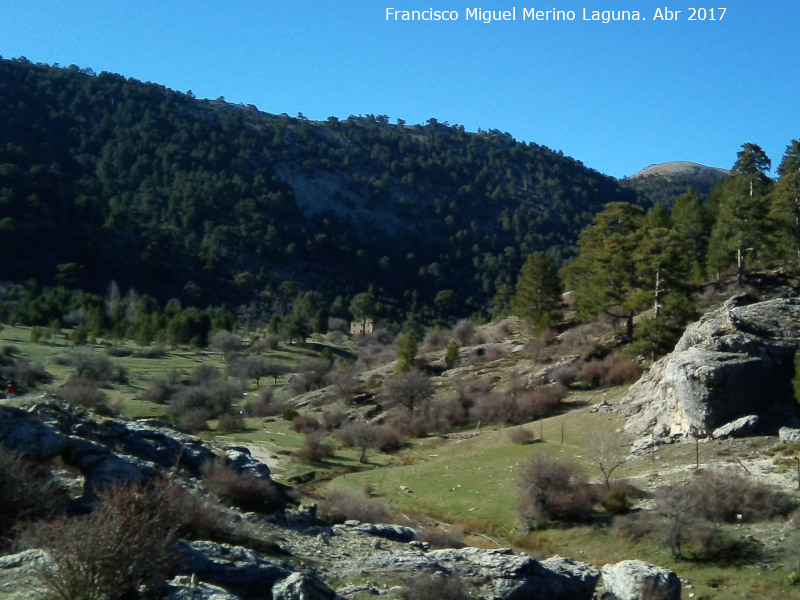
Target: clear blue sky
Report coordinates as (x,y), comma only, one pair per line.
(617,96)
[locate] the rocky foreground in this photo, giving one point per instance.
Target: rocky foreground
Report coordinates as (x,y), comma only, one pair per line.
(313,559)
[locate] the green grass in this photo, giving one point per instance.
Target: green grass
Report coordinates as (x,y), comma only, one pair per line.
(470,481)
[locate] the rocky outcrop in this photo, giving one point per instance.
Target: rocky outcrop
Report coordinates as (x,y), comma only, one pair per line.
(789,435)
(637,580)
(111,451)
(734,362)
(498,574)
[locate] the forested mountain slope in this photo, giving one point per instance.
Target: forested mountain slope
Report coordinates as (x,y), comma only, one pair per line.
(104,178)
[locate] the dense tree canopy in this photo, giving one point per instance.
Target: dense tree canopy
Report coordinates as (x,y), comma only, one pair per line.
(205,201)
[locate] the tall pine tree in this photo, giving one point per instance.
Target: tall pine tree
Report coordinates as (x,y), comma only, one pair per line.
(537,295)
(742,217)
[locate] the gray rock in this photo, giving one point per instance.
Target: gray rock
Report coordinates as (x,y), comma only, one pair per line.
(638,580)
(241,460)
(302,586)
(500,574)
(397,533)
(180,589)
(19,575)
(237,570)
(738,428)
(789,435)
(734,362)
(111,451)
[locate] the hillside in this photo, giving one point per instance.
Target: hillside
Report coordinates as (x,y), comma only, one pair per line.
(662,183)
(419,503)
(205,201)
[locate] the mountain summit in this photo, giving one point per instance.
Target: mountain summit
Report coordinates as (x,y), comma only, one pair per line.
(680,167)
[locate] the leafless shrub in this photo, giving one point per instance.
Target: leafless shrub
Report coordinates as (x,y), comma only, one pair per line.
(496,353)
(229,344)
(411,390)
(27,492)
(538,350)
(445,415)
(151,352)
(120,550)
(582,338)
(565,374)
(345,381)
(246,491)
(540,403)
(26,374)
(622,372)
(265,344)
(430,586)
(435,339)
(408,425)
(191,405)
(520,435)
(118,351)
(438,537)
(339,506)
(365,436)
(191,420)
(334,420)
(314,449)
(264,405)
(592,373)
(83,391)
(200,518)
(312,374)
(204,375)
(501,407)
(158,392)
(305,424)
(230,423)
(553,489)
(725,496)
(337,324)
(91,365)
(495,407)
(464,332)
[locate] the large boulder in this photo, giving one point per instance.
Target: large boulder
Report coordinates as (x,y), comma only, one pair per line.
(638,580)
(735,361)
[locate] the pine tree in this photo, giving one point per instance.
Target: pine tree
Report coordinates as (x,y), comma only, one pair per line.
(406,353)
(537,294)
(742,218)
(690,222)
(603,275)
(785,208)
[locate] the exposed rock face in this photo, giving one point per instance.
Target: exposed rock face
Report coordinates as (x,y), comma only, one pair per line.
(736,361)
(637,580)
(500,574)
(110,451)
(789,435)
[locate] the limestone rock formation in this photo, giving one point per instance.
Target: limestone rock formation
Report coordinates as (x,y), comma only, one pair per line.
(734,362)
(501,574)
(637,580)
(110,451)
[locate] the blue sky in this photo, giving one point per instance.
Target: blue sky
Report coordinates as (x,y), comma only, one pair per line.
(618,96)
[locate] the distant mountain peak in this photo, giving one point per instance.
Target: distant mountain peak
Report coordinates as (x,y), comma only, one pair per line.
(679,167)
